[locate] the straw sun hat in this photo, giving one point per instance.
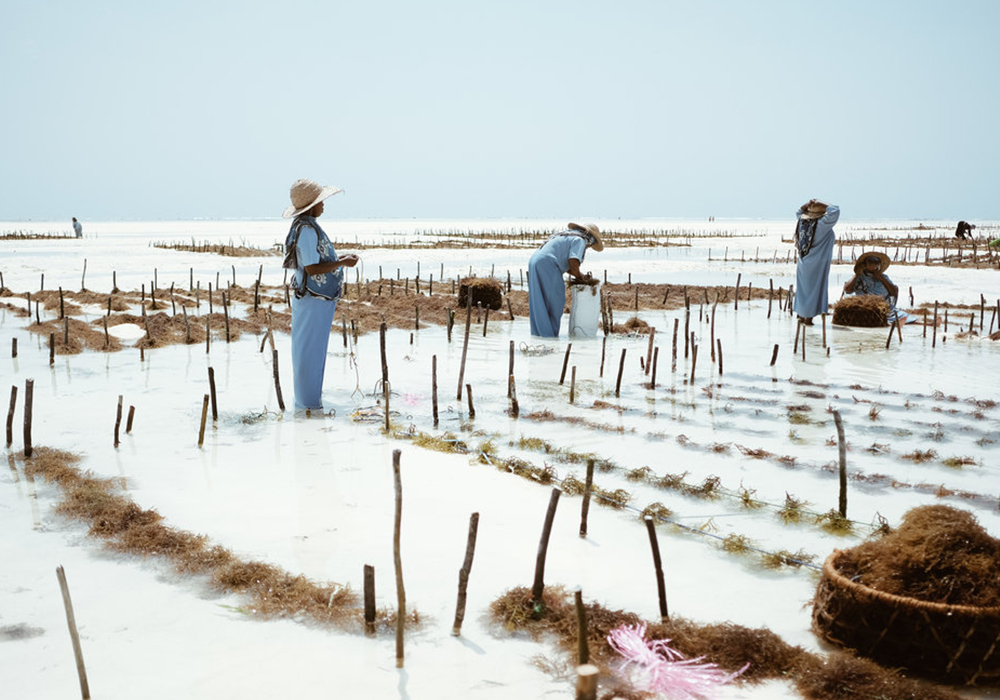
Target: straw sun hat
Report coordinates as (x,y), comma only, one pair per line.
(592,230)
(862,260)
(305,195)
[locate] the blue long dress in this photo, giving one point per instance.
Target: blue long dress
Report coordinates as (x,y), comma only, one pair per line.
(546,289)
(312,319)
(812,274)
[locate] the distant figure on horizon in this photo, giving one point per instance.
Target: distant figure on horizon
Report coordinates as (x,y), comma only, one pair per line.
(814,239)
(317,283)
(964,229)
(870,278)
(77,228)
(562,253)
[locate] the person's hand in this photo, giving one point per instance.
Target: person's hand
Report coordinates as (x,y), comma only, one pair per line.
(349,260)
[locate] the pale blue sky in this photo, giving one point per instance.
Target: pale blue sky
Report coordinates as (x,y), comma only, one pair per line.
(738,108)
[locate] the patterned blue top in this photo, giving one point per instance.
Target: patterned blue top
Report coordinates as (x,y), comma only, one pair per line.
(307,244)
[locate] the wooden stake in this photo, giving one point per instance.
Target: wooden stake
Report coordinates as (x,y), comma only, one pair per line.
(29,394)
(656,359)
(118,420)
(510,367)
(774,354)
(586,682)
(562,375)
(211,388)
(81,670)
(434,388)
(842,449)
(572,386)
(52,349)
(398,561)
(381,345)
(694,360)
(10,415)
(798,331)
(131,416)
(736,296)
(463,574)
(543,546)
(934,336)
(649,349)
(465,348)
(621,368)
(369,588)
(582,650)
(277,380)
(719,344)
(13,343)
(673,356)
(661,587)
(604,347)
(204,417)
(515,408)
(587,488)
(208,333)
(468,396)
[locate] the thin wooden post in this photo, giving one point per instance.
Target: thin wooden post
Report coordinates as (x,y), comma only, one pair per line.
(934,332)
(468,396)
(582,650)
(621,369)
(694,359)
(649,350)
(510,366)
(465,347)
(211,388)
(543,546)
(385,400)
(204,417)
(572,385)
(562,375)
(515,408)
(10,415)
(587,488)
(13,343)
(661,587)
(131,416)
(398,561)
(463,574)
(118,420)
(381,345)
(673,356)
(656,359)
(29,394)
(277,380)
(81,670)
(52,349)
(586,682)
(736,296)
(369,596)
(774,354)
(719,344)
(842,449)
(434,388)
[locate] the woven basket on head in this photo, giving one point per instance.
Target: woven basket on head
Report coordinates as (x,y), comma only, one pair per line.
(485,290)
(867,311)
(948,643)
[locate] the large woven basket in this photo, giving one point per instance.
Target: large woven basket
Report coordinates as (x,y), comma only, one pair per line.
(949,643)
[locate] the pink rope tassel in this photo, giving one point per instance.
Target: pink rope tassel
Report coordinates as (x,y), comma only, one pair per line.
(657,668)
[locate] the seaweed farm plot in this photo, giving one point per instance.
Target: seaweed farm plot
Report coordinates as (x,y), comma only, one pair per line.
(720,439)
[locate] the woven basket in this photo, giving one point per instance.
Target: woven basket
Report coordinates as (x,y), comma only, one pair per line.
(949,643)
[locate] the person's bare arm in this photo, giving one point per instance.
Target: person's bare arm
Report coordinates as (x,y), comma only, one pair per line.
(349,260)
(849,287)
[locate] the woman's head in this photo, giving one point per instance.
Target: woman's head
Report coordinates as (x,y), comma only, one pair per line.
(872,262)
(307,198)
(591,233)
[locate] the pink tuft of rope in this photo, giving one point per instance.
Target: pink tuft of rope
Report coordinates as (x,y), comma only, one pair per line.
(657,668)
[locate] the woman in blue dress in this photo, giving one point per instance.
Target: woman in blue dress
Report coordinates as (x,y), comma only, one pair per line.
(317,282)
(562,253)
(814,239)
(870,278)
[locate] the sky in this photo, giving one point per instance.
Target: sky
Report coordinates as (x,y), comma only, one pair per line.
(474,109)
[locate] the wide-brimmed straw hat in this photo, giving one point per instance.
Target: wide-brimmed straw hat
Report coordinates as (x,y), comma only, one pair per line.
(862,260)
(305,195)
(592,230)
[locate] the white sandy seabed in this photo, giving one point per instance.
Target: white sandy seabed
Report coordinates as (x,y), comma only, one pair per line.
(315,496)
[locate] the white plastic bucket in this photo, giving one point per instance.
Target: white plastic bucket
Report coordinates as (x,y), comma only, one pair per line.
(584,310)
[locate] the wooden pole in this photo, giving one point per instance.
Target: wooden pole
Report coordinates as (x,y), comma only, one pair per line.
(572,386)
(621,369)
(774,354)
(798,331)
(204,417)
(468,396)
(842,449)
(934,332)
(719,344)
(582,650)
(369,595)
(277,380)
(29,394)
(673,356)
(13,343)
(465,347)
(694,360)
(587,488)
(515,408)
(736,296)
(10,415)
(385,401)
(463,574)
(398,561)
(510,367)
(562,375)
(131,416)
(586,682)
(824,331)
(381,345)
(52,349)
(649,350)
(434,388)
(81,670)
(211,388)
(661,587)
(656,359)
(543,546)
(118,420)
